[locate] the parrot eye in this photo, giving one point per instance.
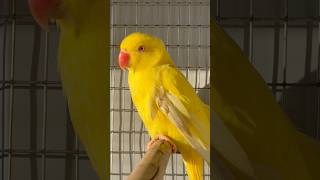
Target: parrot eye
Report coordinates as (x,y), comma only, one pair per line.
(141,48)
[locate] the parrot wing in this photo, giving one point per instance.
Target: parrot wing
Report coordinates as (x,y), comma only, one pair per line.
(176,98)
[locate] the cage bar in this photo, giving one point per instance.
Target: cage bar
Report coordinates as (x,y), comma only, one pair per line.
(11,90)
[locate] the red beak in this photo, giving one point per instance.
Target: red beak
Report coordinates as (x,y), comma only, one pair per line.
(42,10)
(124,58)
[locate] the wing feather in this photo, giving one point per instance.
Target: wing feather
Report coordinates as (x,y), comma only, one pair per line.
(177,99)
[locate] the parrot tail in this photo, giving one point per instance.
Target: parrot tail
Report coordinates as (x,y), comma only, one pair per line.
(194,165)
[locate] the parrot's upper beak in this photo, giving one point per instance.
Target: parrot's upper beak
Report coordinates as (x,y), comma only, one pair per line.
(124,58)
(43,10)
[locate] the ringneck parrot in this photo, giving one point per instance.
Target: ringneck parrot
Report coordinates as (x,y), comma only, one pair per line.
(258,130)
(83,65)
(165,100)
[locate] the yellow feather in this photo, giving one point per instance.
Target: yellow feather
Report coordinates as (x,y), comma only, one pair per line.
(83,68)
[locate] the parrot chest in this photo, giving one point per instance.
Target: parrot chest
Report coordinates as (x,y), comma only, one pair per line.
(142,88)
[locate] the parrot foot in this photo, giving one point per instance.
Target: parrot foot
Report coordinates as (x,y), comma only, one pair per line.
(162,137)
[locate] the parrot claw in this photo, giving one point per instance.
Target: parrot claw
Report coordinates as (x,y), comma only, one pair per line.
(162,137)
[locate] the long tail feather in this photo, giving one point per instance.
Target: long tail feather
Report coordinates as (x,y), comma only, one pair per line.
(194,165)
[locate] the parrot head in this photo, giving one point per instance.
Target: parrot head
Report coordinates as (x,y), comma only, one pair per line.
(44,10)
(140,51)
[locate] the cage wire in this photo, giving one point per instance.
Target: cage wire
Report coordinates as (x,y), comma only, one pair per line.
(184,26)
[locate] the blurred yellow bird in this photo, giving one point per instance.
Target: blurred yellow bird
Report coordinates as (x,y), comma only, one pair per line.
(166,102)
(265,144)
(83,65)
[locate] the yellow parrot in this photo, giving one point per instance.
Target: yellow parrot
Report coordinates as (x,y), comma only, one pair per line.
(83,65)
(259,131)
(166,102)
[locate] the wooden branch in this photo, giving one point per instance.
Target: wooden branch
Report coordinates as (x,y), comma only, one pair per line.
(153,164)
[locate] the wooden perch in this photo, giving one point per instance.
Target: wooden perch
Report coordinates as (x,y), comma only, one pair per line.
(153,164)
